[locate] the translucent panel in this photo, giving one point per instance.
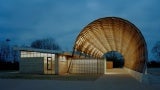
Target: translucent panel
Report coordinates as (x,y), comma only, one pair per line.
(62,58)
(36,54)
(49,55)
(87,66)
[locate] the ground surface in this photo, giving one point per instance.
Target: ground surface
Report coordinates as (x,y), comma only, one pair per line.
(121,81)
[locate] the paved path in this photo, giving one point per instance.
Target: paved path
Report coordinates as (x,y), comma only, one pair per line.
(107,82)
(119,81)
(116,71)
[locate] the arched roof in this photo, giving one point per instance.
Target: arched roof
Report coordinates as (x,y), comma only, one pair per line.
(113,34)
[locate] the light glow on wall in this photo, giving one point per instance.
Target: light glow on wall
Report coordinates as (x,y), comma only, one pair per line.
(62,58)
(36,54)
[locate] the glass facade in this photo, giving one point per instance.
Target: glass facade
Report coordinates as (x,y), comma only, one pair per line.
(87,66)
(50,65)
(33,59)
(36,54)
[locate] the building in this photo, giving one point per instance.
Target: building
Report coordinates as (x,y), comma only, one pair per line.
(40,61)
(97,38)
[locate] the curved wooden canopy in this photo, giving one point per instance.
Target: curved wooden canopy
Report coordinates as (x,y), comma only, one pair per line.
(113,34)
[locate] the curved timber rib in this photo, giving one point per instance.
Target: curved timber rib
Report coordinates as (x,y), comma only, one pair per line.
(114,34)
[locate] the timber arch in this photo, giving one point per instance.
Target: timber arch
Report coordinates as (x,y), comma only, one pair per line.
(114,34)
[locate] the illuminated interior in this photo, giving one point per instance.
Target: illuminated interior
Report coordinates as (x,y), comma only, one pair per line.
(114,34)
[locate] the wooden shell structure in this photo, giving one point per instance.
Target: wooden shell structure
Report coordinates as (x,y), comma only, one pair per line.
(113,34)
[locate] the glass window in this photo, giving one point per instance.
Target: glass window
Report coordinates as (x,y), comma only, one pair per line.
(49,63)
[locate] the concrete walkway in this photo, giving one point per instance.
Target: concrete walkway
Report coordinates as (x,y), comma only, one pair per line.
(107,82)
(121,81)
(116,71)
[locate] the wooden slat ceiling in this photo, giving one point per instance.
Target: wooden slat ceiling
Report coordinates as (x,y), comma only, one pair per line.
(113,34)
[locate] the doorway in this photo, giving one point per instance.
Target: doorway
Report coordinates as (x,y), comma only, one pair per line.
(114,62)
(116,58)
(49,63)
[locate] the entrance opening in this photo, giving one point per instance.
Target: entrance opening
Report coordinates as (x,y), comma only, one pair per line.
(114,59)
(114,63)
(49,63)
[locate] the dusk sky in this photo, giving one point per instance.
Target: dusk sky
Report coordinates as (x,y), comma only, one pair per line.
(23,21)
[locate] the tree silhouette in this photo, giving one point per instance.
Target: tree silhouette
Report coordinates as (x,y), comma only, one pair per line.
(46,43)
(9,58)
(156,51)
(116,58)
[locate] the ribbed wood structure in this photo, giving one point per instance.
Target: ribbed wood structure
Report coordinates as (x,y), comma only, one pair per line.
(113,34)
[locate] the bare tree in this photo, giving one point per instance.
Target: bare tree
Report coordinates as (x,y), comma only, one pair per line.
(46,43)
(7,53)
(156,51)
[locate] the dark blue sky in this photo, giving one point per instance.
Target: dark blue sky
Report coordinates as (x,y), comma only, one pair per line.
(26,20)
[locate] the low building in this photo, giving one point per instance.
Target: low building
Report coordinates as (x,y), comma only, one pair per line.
(40,61)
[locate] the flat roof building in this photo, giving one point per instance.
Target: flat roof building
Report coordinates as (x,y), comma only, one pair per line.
(97,38)
(40,61)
